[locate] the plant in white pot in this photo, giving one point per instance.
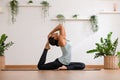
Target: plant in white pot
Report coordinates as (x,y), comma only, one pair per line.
(94,23)
(75,16)
(30,2)
(3,46)
(45,9)
(14,9)
(61,18)
(107,48)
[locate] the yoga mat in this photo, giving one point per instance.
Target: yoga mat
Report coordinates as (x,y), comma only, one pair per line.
(47,70)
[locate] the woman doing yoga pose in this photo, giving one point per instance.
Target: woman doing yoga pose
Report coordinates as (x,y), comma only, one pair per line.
(63,62)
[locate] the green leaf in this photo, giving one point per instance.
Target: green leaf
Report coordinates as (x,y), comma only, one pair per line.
(3,38)
(92,51)
(109,36)
(98,55)
(101,40)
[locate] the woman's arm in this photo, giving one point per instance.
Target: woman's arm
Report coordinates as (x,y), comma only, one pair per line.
(62,36)
(59,28)
(54,30)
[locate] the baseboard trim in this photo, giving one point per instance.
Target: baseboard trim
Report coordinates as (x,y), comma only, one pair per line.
(21,66)
(95,66)
(35,66)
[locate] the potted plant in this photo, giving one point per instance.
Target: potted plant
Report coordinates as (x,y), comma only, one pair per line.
(61,18)
(75,16)
(3,46)
(107,48)
(94,23)
(30,2)
(45,9)
(14,9)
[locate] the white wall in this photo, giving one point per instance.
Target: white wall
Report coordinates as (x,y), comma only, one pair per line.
(29,32)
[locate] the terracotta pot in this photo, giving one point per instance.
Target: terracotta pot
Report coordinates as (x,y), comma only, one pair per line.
(2,62)
(111,62)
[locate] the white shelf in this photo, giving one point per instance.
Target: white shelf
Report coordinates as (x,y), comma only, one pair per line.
(110,12)
(72,19)
(31,5)
(109,0)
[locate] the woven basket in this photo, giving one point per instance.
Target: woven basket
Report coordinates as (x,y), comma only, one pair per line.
(111,62)
(2,62)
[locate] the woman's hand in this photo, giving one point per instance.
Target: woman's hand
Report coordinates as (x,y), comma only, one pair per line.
(57,28)
(49,35)
(47,46)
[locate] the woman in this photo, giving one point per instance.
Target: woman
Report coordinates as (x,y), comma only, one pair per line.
(63,62)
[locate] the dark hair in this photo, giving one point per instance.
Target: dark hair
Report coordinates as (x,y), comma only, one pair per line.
(52,41)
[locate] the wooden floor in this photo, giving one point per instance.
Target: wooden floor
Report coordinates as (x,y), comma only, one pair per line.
(60,75)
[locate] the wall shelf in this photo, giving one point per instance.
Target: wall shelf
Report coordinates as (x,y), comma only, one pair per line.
(109,0)
(30,5)
(110,12)
(72,20)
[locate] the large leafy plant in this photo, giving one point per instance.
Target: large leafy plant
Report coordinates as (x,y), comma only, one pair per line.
(106,47)
(4,46)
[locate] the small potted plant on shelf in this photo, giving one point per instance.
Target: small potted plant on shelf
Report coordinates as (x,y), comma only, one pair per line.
(75,16)
(30,2)
(107,48)
(45,8)
(94,23)
(14,9)
(61,18)
(3,46)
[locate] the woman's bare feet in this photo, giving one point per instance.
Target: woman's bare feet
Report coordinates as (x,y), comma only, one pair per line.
(62,68)
(47,46)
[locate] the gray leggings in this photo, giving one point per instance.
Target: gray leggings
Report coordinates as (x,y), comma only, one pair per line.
(56,64)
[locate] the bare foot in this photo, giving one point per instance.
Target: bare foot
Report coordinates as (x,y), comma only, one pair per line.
(47,46)
(62,68)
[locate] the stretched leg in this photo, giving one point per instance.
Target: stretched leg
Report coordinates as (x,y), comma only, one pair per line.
(43,58)
(48,66)
(76,66)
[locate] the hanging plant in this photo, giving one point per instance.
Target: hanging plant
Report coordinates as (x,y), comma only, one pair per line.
(75,16)
(60,18)
(14,9)
(30,2)
(45,9)
(94,23)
